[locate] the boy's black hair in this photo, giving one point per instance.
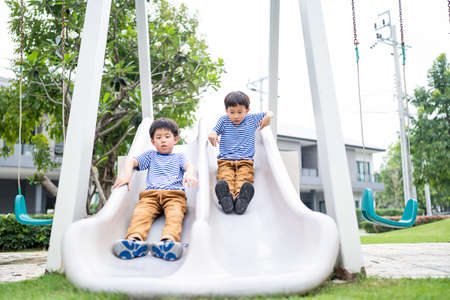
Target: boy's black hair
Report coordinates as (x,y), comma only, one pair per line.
(165,123)
(237,98)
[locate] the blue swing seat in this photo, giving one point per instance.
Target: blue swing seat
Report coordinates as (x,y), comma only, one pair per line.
(368,212)
(21,214)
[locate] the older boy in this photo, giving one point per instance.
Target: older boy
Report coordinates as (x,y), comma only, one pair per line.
(234,188)
(167,174)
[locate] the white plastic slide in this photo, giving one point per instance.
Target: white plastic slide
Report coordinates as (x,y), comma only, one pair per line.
(278,246)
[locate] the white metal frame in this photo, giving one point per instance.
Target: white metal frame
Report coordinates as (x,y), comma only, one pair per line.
(80,134)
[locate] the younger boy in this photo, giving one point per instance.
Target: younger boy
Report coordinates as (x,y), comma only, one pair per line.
(167,174)
(234,188)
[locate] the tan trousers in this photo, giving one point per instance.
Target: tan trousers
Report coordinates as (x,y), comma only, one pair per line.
(235,173)
(152,204)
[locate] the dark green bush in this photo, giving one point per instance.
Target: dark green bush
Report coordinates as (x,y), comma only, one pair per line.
(15,236)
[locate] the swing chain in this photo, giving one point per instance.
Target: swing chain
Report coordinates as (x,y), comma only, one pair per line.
(20,96)
(355,35)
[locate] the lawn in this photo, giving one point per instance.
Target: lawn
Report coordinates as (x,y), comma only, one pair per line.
(436,232)
(55,286)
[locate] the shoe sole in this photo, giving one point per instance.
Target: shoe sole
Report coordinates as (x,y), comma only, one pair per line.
(169,251)
(245,196)
(125,249)
(224,196)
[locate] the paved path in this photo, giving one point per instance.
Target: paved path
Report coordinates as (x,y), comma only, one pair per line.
(407,260)
(384,260)
(16,266)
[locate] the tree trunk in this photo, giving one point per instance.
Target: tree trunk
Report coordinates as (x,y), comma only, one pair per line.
(49,185)
(99,188)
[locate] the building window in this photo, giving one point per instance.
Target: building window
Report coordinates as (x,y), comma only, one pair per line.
(357,204)
(363,171)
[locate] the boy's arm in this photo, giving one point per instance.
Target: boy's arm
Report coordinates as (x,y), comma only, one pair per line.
(213,138)
(130,164)
(266,120)
(189,178)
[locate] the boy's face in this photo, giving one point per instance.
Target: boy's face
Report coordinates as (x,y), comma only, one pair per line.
(164,140)
(237,113)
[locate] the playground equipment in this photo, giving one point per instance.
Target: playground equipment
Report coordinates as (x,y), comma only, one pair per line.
(368,212)
(278,246)
(20,209)
(367,207)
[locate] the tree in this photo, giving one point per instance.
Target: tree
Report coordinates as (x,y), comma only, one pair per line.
(182,70)
(430,132)
(391,175)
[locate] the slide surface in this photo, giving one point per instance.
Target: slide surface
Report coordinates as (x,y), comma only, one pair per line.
(277,246)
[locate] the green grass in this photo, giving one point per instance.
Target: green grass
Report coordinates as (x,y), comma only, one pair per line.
(55,286)
(436,232)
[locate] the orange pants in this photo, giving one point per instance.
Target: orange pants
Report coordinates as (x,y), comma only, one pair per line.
(235,173)
(152,204)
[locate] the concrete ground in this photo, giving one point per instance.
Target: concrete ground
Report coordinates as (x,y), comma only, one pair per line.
(384,260)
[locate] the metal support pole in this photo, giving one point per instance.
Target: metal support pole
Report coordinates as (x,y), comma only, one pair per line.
(77,158)
(333,165)
(144,58)
(401,113)
(273,62)
(428,199)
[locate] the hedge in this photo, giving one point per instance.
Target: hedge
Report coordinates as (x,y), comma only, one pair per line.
(420,220)
(15,236)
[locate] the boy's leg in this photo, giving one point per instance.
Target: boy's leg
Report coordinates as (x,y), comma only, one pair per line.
(145,212)
(244,185)
(226,171)
(225,186)
(174,205)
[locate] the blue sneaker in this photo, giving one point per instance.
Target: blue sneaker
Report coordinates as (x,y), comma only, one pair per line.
(128,249)
(168,250)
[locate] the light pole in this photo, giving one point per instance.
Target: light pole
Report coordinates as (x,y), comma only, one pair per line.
(391,40)
(252,86)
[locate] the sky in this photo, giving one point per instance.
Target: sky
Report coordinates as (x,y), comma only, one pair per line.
(238,31)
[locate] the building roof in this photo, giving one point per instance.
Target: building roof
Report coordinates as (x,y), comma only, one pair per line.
(296,132)
(4,81)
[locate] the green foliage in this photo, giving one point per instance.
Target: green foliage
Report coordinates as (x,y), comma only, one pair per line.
(182,70)
(430,133)
(15,236)
(56,286)
(391,175)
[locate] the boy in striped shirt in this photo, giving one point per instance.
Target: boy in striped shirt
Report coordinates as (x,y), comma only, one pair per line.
(167,175)
(237,128)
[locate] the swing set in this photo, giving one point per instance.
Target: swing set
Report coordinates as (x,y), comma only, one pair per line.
(367,207)
(20,209)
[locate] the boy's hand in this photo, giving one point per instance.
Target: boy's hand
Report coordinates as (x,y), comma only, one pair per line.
(121,181)
(266,120)
(189,180)
(213,138)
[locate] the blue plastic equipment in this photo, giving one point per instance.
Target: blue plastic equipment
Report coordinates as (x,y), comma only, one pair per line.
(368,212)
(21,213)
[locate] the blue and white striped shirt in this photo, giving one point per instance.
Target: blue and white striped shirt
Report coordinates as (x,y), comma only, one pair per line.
(165,171)
(238,141)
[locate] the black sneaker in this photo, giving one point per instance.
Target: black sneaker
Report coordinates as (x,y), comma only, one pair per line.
(243,199)
(224,196)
